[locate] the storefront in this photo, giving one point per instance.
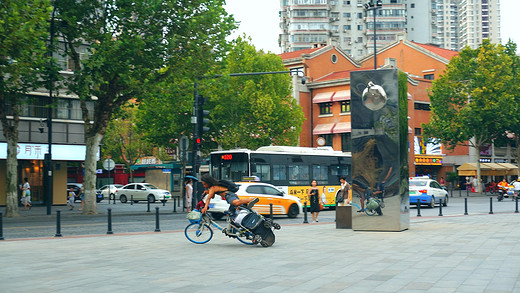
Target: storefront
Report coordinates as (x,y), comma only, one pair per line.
(30,164)
(428,165)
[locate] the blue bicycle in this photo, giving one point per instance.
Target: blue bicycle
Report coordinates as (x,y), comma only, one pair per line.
(200,231)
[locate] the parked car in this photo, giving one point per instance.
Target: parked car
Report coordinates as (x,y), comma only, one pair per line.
(107,191)
(427,191)
(142,191)
(283,204)
(76,187)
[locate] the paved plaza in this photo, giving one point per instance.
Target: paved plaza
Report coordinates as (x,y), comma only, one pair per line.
(476,253)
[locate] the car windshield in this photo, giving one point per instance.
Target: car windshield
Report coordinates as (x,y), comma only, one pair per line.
(150,186)
(417,183)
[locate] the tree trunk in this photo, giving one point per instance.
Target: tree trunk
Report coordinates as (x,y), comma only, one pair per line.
(89,182)
(479,181)
(12,177)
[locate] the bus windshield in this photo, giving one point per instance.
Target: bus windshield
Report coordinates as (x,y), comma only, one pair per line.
(233,166)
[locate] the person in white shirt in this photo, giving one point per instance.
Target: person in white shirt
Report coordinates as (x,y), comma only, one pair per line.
(516,187)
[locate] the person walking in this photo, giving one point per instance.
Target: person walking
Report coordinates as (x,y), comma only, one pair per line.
(314,200)
(26,194)
(71,198)
(189,194)
(82,196)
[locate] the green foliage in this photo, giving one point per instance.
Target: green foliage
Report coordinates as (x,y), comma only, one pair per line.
(254,110)
(474,97)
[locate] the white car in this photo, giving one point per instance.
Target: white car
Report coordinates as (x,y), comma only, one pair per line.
(142,191)
(109,190)
(427,191)
(283,204)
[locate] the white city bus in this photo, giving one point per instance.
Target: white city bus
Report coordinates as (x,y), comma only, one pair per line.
(290,169)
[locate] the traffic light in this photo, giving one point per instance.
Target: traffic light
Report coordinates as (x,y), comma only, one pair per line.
(201,121)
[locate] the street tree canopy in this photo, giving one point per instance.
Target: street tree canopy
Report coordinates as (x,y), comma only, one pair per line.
(23,31)
(473,100)
(131,46)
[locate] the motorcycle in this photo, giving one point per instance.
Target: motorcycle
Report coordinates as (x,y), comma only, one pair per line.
(504,191)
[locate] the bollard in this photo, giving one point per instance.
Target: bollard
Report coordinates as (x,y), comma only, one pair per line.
(271,211)
(148,204)
(467,191)
(58,224)
(460,192)
(491,205)
(157,220)
(440,207)
(465,206)
(516,204)
(113,198)
(174,203)
(164,202)
(305,213)
(419,208)
(109,230)
(2,228)
(132,200)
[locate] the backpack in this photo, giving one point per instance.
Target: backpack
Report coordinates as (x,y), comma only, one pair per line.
(230,185)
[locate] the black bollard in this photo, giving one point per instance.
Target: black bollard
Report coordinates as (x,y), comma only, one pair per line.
(174,204)
(113,198)
(419,208)
(467,191)
(148,206)
(440,207)
(271,211)
(460,192)
(157,220)
(164,202)
(490,205)
(58,224)
(465,206)
(2,228)
(109,230)
(516,204)
(305,213)
(132,200)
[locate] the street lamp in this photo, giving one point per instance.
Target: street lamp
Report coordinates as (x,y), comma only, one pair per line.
(374,6)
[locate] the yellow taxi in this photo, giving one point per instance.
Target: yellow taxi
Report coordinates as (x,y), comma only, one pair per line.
(283,204)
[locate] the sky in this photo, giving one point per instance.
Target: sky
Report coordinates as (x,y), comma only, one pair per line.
(259,20)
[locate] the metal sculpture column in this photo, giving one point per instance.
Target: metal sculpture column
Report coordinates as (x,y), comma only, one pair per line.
(379,151)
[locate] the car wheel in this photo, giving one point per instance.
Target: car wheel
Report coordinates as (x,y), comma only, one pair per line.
(123,198)
(432,203)
(445,203)
(151,198)
(293,211)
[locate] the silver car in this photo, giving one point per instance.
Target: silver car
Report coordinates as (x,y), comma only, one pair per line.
(142,191)
(108,191)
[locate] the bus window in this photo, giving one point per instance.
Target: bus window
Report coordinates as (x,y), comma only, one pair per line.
(262,171)
(279,173)
(320,173)
(298,174)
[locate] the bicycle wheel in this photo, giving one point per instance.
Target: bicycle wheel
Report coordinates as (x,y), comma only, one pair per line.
(198,233)
(242,237)
(370,212)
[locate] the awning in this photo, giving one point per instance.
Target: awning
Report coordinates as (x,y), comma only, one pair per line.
(341,96)
(323,97)
(325,128)
(410,130)
(342,127)
(486,169)
(511,169)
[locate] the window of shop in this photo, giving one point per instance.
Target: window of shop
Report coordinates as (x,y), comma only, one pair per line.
(325,108)
(345,106)
(346,142)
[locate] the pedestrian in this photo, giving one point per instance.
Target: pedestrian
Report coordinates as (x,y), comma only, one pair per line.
(314,200)
(344,192)
(516,187)
(26,194)
(71,196)
(442,182)
(82,196)
(189,194)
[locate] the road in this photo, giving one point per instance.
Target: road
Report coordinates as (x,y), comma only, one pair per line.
(134,218)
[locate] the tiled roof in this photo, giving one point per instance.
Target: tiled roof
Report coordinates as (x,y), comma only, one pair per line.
(445,53)
(339,74)
(299,53)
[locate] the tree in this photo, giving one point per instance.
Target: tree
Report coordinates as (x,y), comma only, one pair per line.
(252,111)
(473,99)
(513,132)
(23,31)
(132,46)
(123,141)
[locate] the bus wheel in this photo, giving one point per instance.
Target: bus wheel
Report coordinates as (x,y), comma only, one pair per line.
(293,211)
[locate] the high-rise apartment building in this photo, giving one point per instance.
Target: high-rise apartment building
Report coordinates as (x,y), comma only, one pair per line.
(450,24)
(310,23)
